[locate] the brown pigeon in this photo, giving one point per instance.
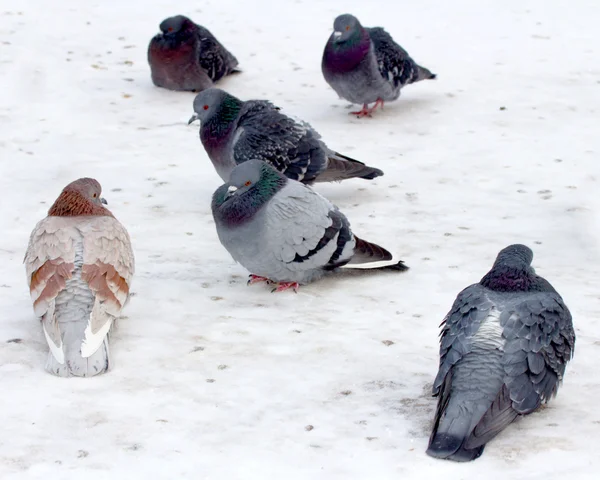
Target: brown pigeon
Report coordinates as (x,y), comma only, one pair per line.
(186,56)
(79,266)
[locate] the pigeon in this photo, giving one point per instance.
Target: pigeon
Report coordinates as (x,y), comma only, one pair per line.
(284,232)
(187,57)
(503,351)
(79,265)
(365,65)
(233,131)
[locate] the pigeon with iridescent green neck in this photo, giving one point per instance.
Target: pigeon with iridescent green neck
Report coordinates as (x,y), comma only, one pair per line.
(504,348)
(364,65)
(284,232)
(233,131)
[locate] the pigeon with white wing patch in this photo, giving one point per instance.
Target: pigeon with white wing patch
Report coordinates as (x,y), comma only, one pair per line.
(284,232)
(504,348)
(79,265)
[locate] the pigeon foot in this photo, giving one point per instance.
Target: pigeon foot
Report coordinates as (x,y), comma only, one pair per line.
(366,111)
(282,286)
(257,279)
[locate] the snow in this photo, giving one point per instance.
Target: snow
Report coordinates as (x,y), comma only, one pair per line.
(216,380)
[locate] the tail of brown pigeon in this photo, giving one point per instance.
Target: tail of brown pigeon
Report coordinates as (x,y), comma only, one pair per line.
(341,167)
(75,364)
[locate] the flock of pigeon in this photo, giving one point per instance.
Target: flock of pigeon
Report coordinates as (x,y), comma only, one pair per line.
(505,342)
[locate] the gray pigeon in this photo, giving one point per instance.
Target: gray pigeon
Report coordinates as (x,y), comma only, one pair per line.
(284,232)
(186,56)
(503,352)
(365,65)
(233,131)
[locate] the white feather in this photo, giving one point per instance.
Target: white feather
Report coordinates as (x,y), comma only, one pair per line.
(92,341)
(370,265)
(489,333)
(57,351)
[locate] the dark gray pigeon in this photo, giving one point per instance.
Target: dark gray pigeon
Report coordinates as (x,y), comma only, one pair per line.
(365,65)
(503,352)
(284,232)
(186,56)
(233,131)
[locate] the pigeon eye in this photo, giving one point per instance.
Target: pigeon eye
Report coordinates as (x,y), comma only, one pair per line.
(205,107)
(248,183)
(170,29)
(347,27)
(95,195)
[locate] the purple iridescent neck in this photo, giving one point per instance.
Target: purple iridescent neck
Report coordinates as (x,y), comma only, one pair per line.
(345,56)
(509,279)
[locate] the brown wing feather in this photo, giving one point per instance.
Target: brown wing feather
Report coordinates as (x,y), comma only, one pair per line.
(106,283)
(47,282)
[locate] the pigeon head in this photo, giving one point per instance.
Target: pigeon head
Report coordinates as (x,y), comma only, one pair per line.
(251,185)
(81,197)
(346,27)
(215,102)
(512,271)
(174,25)
(347,46)
(516,254)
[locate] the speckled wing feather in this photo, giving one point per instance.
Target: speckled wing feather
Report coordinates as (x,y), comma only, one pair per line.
(468,381)
(470,309)
(395,64)
(292,147)
(540,340)
(213,57)
(306,231)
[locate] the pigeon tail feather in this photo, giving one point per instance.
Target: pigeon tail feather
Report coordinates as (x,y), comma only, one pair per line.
(425,74)
(340,167)
(451,447)
(75,364)
(366,252)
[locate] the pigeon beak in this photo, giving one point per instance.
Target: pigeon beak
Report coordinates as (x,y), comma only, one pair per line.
(337,35)
(193,118)
(230,191)
(103,200)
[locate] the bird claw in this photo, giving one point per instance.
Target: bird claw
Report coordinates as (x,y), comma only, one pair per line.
(366,111)
(257,279)
(282,286)
(362,113)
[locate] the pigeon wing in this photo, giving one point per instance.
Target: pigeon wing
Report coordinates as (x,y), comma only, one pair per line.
(214,59)
(108,268)
(540,341)
(395,65)
(290,146)
(49,263)
(307,231)
(471,307)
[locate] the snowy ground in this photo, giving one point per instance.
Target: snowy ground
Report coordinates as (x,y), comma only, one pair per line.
(216,380)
